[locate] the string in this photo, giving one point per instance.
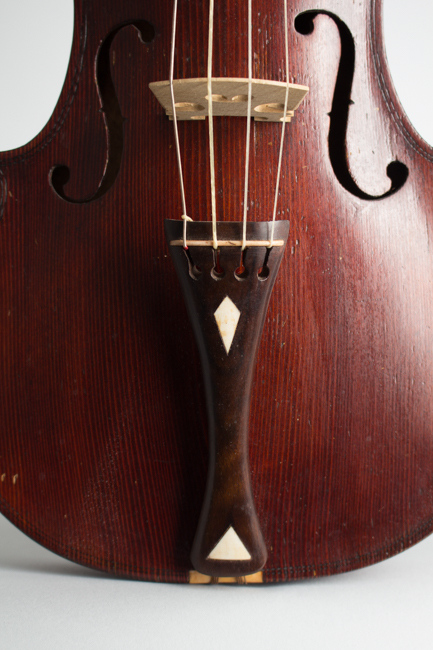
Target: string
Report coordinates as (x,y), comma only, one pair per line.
(271,242)
(247,147)
(176,133)
(210,114)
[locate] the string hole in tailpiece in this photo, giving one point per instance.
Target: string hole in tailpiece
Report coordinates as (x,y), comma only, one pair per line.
(194,271)
(241,272)
(264,272)
(217,272)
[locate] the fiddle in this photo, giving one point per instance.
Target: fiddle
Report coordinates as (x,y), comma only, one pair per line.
(104,448)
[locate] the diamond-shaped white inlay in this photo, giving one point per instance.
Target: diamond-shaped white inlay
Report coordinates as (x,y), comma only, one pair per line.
(230,547)
(227,317)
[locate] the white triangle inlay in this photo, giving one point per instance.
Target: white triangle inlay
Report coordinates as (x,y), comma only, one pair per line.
(229,547)
(227,318)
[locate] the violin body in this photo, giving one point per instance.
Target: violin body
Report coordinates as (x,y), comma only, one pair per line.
(103,438)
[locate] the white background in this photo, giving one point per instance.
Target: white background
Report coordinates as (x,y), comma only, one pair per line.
(47,602)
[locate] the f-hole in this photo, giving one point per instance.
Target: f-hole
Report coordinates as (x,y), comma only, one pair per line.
(112,116)
(396,171)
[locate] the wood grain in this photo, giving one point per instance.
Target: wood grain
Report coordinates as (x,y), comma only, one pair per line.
(103,448)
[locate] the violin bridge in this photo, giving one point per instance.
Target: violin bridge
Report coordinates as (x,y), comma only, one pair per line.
(227,294)
(229,98)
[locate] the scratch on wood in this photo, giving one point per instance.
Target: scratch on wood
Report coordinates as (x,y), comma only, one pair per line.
(14,478)
(3,477)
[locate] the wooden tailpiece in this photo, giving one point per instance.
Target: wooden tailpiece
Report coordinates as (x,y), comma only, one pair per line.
(227,302)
